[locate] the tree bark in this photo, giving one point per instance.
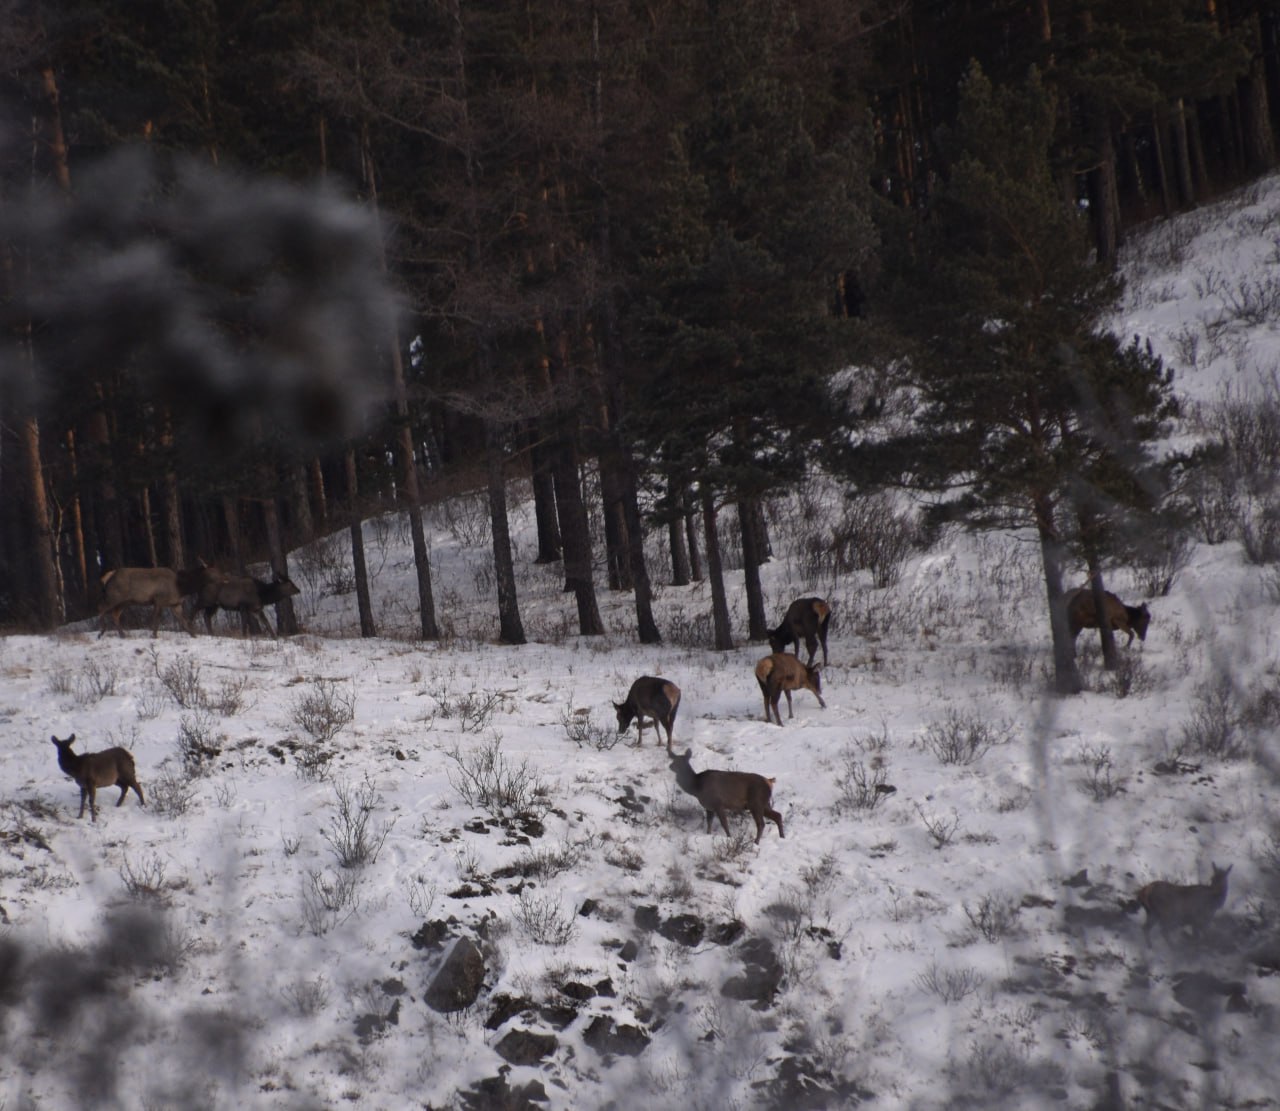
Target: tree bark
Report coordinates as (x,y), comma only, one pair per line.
(748,525)
(544,499)
(510,627)
(575,535)
(1065,674)
(722,633)
(358,565)
(681,571)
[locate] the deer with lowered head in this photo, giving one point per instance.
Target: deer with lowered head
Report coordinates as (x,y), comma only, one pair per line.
(806,618)
(112,767)
(1083,614)
(781,674)
(720,792)
(1175,906)
(650,697)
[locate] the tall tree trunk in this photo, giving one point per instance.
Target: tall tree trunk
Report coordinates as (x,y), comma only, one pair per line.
(1065,674)
(1162,161)
(286,619)
(1260,141)
(575,535)
(319,500)
(510,627)
(1182,153)
(691,532)
(358,565)
(47,609)
(410,497)
(544,498)
(79,550)
(231,519)
(304,530)
(722,633)
(681,572)
(748,525)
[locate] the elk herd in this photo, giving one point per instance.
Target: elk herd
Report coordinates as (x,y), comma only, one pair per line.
(650,699)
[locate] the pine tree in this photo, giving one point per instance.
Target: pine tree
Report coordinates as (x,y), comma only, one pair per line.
(1024,401)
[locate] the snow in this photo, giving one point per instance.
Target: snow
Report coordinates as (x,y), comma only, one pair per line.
(940,949)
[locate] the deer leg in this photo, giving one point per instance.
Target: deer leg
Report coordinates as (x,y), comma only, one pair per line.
(759,818)
(774,816)
(723,821)
(790,713)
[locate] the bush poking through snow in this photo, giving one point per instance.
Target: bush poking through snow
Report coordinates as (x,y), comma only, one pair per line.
(962,738)
(170,793)
(1213,727)
(325,710)
(949,984)
(993,916)
(1098,782)
(352,838)
(941,830)
(585,733)
(544,920)
(474,710)
(487,779)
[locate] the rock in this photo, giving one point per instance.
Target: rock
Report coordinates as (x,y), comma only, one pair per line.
(687,929)
(458,982)
(606,1038)
(495,1094)
(431,935)
(629,951)
(647,918)
(524,1047)
(506,1007)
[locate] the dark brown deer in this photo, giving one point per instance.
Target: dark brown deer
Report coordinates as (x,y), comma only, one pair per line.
(112,767)
(720,792)
(1082,614)
(651,697)
(781,674)
(1175,906)
(246,596)
(157,587)
(806,618)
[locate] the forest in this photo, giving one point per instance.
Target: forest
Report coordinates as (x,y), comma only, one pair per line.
(272,268)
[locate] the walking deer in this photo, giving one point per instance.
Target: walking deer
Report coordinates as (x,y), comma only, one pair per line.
(1175,906)
(720,792)
(1082,614)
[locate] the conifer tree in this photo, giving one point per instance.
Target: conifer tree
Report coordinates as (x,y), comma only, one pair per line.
(1025,400)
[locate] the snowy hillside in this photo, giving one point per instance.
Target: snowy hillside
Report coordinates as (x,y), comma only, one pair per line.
(950,920)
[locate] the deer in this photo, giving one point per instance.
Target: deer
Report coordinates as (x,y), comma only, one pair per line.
(158,587)
(651,697)
(780,674)
(1082,614)
(1173,906)
(247,596)
(807,618)
(720,792)
(112,767)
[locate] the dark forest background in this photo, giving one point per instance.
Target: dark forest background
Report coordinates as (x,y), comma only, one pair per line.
(267,269)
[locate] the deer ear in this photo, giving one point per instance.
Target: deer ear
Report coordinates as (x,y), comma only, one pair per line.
(617,705)
(54,738)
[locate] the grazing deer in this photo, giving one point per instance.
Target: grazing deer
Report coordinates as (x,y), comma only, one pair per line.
(1082,614)
(112,767)
(1174,906)
(781,674)
(807,618)
(651,697)
(719,792)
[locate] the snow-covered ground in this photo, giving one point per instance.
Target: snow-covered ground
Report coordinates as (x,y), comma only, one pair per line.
(969,938)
